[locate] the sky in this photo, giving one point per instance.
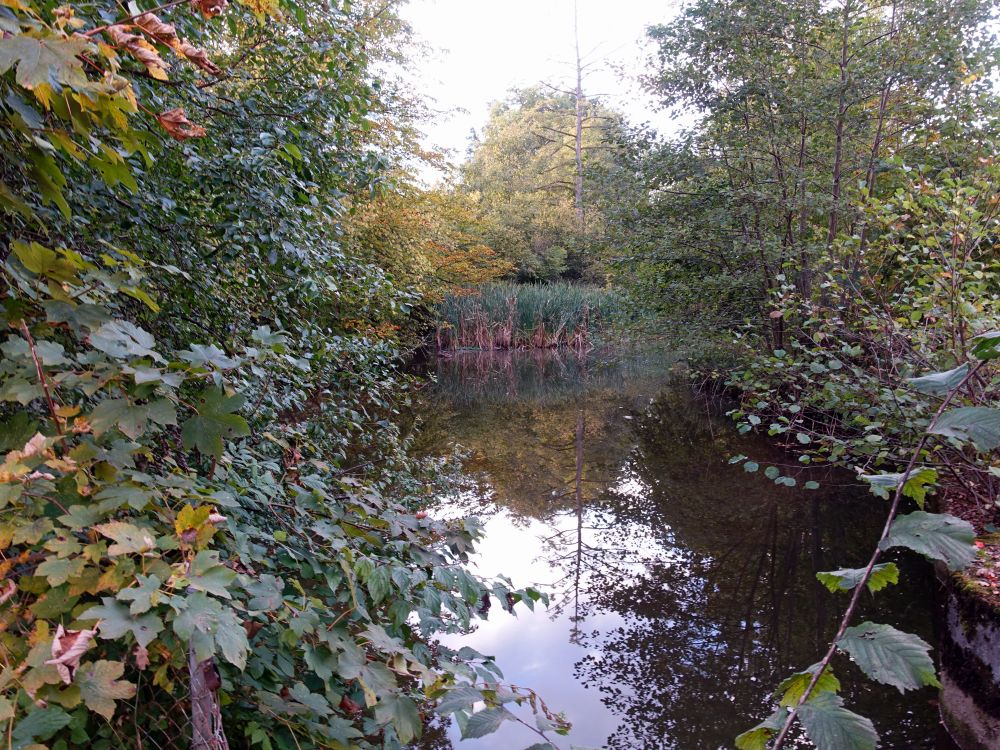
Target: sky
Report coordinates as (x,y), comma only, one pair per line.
(479,49)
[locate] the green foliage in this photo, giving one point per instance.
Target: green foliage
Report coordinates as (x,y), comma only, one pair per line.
(890,656)
(847,579)
(521,177)
(201,473)
(830,726)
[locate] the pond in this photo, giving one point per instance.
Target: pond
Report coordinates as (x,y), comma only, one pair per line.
(683,589)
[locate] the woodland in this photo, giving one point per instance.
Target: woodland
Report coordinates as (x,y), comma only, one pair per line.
(218,258)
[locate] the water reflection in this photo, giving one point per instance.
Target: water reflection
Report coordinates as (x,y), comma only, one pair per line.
(684,588)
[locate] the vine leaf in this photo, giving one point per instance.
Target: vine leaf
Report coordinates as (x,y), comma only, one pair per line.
(830,726)
(979,425)
(128,539)
(116,621)
(938,536)
(100,687)
(847,579)
(214,422)
(40,724)
(758,737)
(890,656)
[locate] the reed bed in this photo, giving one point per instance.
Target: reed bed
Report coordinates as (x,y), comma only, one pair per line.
(526,316)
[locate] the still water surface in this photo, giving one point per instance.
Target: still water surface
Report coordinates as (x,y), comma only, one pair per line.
(683,588)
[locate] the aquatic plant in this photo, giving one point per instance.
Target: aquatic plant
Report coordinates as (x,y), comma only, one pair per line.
(506,315)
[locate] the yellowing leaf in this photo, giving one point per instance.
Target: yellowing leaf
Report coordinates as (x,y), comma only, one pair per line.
(128,539)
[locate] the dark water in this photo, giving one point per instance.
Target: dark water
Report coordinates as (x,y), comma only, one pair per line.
(683,587)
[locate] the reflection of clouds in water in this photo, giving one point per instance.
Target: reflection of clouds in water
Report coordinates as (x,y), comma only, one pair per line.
(534,649)
(684,591)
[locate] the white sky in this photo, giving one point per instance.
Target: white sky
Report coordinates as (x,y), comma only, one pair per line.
(483,48)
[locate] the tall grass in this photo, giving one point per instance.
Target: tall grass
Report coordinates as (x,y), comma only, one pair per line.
(505,315)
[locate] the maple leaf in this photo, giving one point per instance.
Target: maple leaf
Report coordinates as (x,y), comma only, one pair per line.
(67,648)
(100,687)
(44,61)
(175,122)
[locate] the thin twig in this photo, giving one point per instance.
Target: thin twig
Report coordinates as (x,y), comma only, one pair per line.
(41,377)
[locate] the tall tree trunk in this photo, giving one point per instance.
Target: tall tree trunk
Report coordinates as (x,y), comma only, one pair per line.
(838,148)
(578,195)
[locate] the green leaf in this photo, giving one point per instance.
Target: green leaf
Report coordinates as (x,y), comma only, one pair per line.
(485,722)
(986,345)
(916,487)
(116,621)
(935,535)
(846,579)
(50,59)
(144,597)
(378,583)
(100,687)
(939,383)
(830,726)
(459,698)
(40,724)
(214,422)
(794,687)
(758,737)
(403,714)
(231,639)
(890,656)
(979,425)
(210,357)
(124,340)
(208,575)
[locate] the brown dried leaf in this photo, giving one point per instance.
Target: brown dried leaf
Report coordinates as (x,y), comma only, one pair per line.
(163,32)
(67,648)
(175,122)
(140,49)
(198,57)
(210,8)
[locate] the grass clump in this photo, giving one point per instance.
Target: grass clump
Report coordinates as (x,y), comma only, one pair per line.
(507,315)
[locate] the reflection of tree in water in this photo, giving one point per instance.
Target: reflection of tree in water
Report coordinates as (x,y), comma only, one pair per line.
(710,570)
(726,604)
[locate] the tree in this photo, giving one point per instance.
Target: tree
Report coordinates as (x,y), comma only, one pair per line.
(528,175)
